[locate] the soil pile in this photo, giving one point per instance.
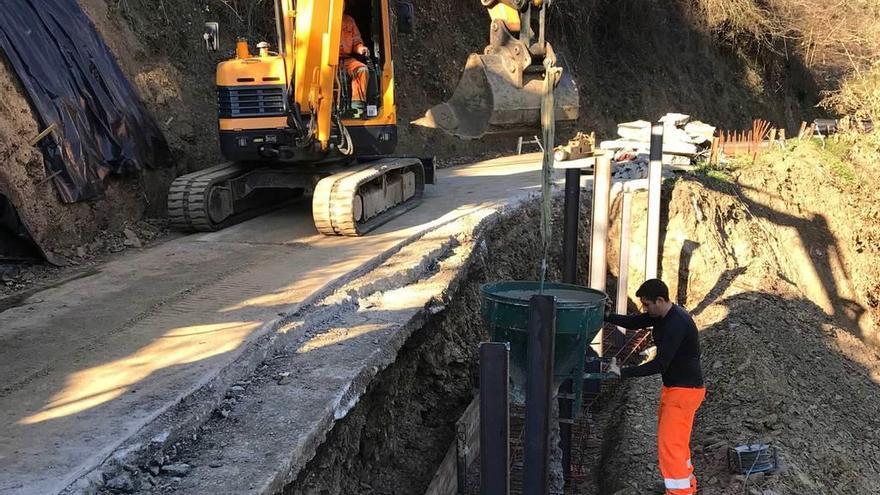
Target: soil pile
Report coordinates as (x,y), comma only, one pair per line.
(788,351)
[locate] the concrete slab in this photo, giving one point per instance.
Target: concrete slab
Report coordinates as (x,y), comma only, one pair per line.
(90,367)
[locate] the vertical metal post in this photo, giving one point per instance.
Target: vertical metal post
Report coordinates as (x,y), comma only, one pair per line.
(494,419)
(625,229)
(619,337)
(599,236)
(571,222)
(655,169)
(570,225)
(539,393)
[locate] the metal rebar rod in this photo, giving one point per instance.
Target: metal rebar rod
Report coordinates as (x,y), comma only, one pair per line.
(566,412)
(539,393)
(494,419)
(570,225)
(655,169)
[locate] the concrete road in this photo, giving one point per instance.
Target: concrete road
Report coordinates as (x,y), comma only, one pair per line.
(84,366)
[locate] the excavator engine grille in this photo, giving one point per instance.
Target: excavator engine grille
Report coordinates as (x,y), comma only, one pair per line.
(250,101)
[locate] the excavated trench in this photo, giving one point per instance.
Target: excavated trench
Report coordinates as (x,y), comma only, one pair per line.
(762,340)
(394,439)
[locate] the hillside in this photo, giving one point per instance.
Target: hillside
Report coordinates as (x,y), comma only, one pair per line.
(630,61)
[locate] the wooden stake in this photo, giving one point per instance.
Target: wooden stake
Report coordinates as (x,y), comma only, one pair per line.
(36,139)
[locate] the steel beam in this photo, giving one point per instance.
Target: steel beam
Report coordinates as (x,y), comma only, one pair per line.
(539,393)
(570,222)
(655,169)
(494,419)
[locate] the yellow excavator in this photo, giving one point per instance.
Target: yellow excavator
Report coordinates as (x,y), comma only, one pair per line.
(288,125)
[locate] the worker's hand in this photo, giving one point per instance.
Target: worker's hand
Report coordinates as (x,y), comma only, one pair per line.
(613,368)
(648,354)
(363,50)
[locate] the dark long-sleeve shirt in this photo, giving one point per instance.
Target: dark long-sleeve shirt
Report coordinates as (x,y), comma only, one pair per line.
(678,347)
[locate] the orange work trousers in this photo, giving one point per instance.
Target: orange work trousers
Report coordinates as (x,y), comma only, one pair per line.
(357,71)
(675,420)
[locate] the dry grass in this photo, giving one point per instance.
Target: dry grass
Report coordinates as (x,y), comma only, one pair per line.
(735,19)
(858,96)
(833,38)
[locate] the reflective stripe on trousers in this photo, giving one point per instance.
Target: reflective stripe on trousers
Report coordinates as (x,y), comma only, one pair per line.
(675,420)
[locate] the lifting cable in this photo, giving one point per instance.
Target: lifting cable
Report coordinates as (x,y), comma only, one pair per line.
(548,128)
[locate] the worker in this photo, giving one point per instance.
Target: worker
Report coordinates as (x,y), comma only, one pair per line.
(678,361)
(352,44)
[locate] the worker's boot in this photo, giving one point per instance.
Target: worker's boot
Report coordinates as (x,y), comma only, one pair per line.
(357,109)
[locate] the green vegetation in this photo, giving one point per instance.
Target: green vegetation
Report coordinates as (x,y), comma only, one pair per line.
(834,155)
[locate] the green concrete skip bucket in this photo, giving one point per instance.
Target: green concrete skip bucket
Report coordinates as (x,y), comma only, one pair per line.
(496,95)
(579,316)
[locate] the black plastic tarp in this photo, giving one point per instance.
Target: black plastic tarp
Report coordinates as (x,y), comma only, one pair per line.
(73,81)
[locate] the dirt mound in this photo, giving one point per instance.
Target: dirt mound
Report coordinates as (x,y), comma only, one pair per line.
(783,363)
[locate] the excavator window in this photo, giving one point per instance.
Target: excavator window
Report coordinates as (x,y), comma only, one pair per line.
(367,16)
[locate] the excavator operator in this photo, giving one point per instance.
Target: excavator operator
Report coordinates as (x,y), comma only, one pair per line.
(350,44)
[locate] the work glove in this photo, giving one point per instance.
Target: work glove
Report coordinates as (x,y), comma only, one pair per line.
(609,308)
(648,354)
(613,368)
(364,51)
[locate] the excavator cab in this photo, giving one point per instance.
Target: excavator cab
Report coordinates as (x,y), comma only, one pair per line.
(367,17)
(500,90)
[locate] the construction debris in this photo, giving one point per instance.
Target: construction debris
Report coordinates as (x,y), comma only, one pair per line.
(681,137)
(684,141)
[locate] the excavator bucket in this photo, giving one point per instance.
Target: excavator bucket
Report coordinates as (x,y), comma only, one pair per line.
(494,97)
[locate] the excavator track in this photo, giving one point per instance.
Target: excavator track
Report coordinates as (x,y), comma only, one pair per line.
(354,202)
(188,200)
(201,201)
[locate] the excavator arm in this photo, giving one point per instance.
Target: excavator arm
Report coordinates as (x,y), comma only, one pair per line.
(500,90)
(310,34)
